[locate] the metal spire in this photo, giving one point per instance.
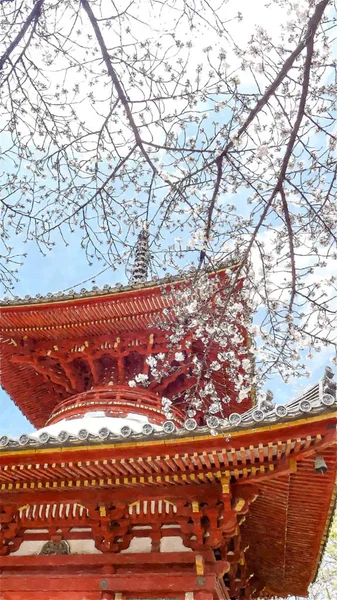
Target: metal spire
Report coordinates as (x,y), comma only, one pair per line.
(140,267)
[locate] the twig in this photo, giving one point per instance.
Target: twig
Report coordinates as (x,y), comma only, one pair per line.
(33,16)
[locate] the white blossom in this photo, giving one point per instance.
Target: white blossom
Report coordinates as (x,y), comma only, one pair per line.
(246,364)
(141,378)
(151,360)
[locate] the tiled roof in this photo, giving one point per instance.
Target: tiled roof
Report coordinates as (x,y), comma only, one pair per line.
(319,399)
(71,294)
(107,290)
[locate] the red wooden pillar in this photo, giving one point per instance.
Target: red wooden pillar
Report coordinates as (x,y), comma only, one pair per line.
(203,595)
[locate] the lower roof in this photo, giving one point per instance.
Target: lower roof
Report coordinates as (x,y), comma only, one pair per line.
(96,431)
(285,527)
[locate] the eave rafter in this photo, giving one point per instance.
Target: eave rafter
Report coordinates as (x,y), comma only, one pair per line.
(63,363)
(243,464)
(288,464)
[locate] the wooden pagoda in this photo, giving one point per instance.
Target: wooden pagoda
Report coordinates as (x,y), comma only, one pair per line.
(110,499)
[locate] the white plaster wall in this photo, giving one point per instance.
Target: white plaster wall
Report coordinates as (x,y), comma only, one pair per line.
(76,547)
(138,544)
(173,543)
(27,548)
(93,421)
(83,547)
(142,544)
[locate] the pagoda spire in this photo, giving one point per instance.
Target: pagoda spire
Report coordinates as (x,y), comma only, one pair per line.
(140,269)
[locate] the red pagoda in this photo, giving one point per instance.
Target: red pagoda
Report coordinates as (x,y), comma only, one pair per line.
(112,498)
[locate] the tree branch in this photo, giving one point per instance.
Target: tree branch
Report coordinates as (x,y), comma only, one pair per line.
(114,77)
(33,16)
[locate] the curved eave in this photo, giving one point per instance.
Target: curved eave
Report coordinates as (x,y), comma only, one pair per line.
(62,316)
(200,437)
(123,309)
(87,297)
(96,295)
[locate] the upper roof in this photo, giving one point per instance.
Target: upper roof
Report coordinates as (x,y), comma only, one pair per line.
(43,332)
(94,292)
(55,320)
(73,315)
(107,290)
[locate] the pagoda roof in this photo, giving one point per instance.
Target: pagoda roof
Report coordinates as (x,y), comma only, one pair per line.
(285,528)
(55,319)
(97,430)
(71,318)
(73,314)
(108,290)
(84,293)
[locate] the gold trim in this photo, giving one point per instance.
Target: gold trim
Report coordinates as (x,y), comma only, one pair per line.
(117,481)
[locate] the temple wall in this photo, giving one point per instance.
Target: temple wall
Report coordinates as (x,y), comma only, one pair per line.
(137,545)
(76,547)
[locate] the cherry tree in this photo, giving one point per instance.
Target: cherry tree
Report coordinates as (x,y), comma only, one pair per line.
(220,138)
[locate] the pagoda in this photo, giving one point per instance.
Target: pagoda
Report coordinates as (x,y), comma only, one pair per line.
(123,493)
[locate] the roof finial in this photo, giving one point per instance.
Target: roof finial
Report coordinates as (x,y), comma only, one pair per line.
(141,264)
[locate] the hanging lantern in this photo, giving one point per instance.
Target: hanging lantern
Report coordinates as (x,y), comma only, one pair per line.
(320,465)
